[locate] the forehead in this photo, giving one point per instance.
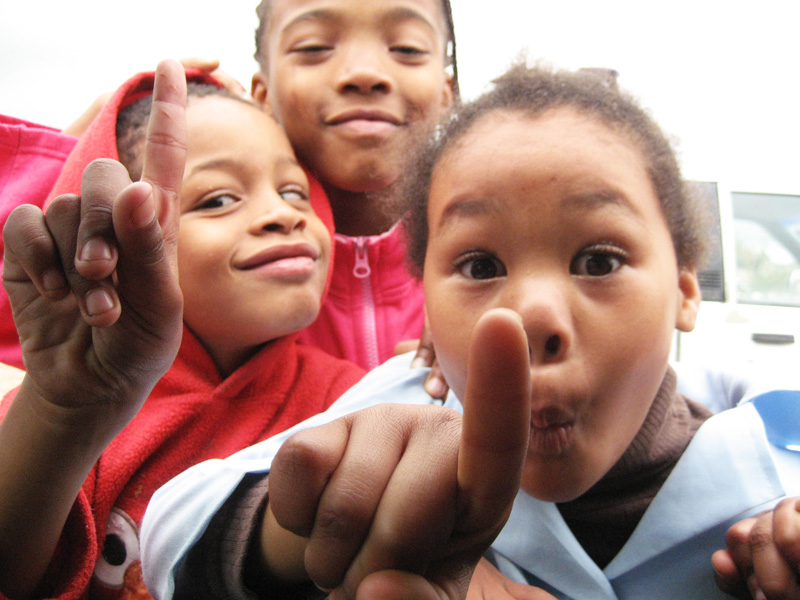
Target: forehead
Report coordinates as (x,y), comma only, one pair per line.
(286,13)
(227,125)
(544,159)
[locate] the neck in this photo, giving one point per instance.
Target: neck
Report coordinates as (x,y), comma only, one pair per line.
(604,517)
(363,213)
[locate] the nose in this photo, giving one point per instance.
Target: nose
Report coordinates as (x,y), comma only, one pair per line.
(363,70)
(546,316)
(272,214)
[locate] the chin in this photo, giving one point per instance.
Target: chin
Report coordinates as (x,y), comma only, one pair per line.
(551,485)
(366,178)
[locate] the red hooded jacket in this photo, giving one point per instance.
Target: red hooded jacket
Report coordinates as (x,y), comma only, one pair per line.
(193,414)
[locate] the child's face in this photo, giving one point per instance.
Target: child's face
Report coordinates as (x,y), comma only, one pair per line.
(350,79)
(252,254)
(555,217)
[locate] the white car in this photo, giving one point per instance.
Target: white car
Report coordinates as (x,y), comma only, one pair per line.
(749,319)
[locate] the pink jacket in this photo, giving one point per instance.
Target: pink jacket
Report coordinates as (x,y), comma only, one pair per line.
(373,302)
(31,157)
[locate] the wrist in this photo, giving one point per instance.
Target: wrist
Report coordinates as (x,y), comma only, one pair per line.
(48,426)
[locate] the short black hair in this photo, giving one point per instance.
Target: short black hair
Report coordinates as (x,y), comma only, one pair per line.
(531,91)
(132,120)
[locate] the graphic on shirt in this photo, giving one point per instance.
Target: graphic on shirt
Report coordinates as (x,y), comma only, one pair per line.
(118,566)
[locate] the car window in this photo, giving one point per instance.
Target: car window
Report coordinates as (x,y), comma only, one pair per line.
(767,233)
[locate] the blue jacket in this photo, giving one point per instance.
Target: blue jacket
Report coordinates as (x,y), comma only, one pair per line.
(729,470)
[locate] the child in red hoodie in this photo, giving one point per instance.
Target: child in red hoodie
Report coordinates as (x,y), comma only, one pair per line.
(94,428)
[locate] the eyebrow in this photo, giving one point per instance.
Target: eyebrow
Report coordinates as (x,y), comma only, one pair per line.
(466,208)
(228,164)
(404,13)
(320,14)
(396,15)
(601,199)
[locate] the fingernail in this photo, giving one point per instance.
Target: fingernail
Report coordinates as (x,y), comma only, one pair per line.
(418,363)
(95,249)
(436,388)
(143,214)
(98,301)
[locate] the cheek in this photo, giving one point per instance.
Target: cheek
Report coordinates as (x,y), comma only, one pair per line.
(451,335)
(427,100)
(197,260)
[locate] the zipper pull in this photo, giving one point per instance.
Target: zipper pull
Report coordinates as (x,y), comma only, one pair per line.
(361,269)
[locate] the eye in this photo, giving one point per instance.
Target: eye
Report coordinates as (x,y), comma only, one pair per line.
(598,261)
(407,50)
(311,48)
(481,266)
(216,202)
(409,54)
(294,195)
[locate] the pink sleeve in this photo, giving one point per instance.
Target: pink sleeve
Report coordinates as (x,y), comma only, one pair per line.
(31,157)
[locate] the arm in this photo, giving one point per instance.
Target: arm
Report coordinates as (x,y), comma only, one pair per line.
(78,126)
(179,515)
(94,290)
(763,555)
(398,502)
(211,66)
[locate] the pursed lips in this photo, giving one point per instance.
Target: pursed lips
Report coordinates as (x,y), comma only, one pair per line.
(543,418)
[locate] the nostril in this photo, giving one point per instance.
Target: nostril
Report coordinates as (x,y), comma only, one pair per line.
(552,345)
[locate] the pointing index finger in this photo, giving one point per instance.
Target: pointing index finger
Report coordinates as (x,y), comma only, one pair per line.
(496,423)
(165,145)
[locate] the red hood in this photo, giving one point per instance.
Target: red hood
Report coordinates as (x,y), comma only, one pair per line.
(100,141)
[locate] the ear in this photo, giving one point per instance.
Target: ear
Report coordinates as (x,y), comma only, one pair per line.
(258,90)
(689,297)
(447,91)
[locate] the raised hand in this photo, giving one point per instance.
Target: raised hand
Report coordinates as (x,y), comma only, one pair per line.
(401,502)
(93,282)
(94,290)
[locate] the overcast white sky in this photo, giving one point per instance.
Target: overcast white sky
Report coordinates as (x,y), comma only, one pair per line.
(721,76)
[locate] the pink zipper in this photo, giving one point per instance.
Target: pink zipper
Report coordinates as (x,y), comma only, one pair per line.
(362,271)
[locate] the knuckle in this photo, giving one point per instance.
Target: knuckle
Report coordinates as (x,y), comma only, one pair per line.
(760,536)
(94,213)
(299,454)
(101,165)
(166,139)
(102,176)
(344,512)
(150,255)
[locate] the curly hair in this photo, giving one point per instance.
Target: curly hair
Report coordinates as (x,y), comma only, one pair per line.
(531,91)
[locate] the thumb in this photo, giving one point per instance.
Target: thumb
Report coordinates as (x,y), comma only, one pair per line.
(146,267)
